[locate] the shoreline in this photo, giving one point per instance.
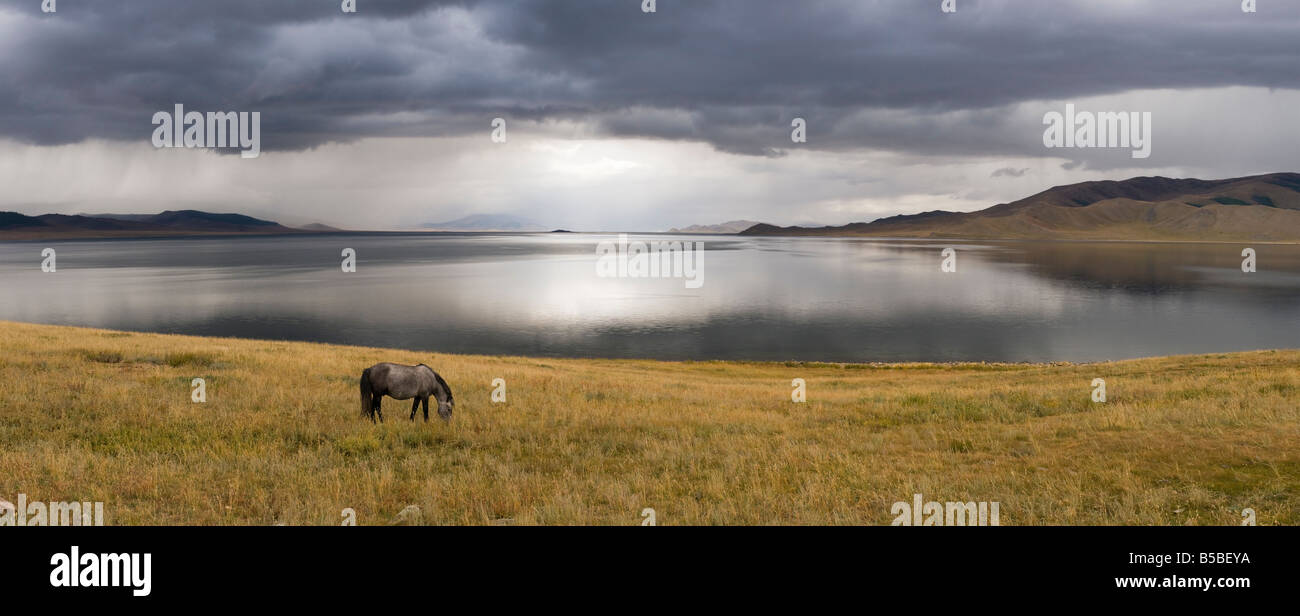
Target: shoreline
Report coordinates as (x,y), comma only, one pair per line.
(738,362)
(11,236)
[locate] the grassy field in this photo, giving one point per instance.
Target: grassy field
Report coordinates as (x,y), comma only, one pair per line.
(92,415)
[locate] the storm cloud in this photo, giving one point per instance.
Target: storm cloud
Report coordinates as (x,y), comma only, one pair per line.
(890,76)
(731,73)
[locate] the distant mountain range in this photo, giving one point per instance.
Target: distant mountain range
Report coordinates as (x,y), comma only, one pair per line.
(732,226)
(486,222)
(1260,208)
(14,225)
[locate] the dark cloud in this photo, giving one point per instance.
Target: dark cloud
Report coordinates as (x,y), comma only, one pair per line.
(1009,172)
(897,75)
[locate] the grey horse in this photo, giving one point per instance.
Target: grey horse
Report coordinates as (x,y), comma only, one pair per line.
(402,383)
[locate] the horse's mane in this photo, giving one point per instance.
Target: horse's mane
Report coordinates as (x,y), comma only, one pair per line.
(445,386)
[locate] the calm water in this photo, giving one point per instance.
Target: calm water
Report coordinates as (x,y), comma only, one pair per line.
(763,298)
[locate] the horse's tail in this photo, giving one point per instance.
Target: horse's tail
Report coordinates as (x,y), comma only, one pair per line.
(366,397)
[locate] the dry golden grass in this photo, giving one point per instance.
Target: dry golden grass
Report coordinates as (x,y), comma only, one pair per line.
(92,415)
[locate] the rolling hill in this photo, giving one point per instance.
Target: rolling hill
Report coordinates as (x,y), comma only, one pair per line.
(731,226)
(1260,208)
(14,225)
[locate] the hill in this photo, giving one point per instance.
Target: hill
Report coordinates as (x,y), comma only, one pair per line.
(14,225)
(318,227)
(731,226)
(1260,208)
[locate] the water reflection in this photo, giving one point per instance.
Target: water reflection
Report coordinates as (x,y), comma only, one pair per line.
(763,298)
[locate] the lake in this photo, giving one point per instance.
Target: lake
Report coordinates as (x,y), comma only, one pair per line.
(843,300)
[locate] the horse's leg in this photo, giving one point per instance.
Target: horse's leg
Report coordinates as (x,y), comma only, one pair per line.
(425,400)
(378,409)
(415,404)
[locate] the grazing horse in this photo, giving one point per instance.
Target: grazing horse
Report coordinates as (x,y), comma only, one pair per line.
(402,383)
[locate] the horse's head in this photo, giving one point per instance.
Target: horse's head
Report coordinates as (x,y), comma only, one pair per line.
(446,402)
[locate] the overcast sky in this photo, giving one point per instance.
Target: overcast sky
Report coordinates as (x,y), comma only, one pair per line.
(623,120)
